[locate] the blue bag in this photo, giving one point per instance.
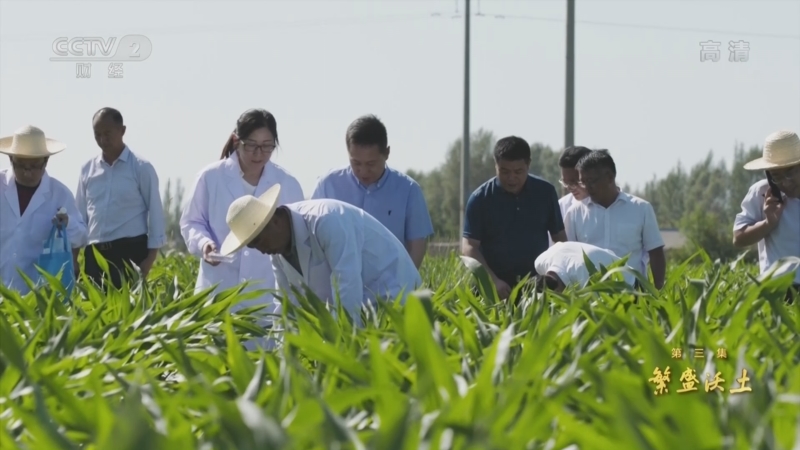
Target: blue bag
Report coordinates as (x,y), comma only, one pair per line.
(57,256)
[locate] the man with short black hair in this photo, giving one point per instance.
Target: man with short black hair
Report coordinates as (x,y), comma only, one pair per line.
(615,220)
(118,196)
(390,196)
(508,219)
(569,177)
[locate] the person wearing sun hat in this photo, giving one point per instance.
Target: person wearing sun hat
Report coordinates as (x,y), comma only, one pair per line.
(31,202)
(769,220)
(323,244)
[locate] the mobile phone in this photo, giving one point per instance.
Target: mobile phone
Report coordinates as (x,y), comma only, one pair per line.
(776,192)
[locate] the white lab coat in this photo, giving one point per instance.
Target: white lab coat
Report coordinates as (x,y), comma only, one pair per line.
(22,238)
(338,241)
(203,221)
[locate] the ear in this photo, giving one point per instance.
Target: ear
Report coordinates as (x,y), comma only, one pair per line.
(123,130)
(388,150)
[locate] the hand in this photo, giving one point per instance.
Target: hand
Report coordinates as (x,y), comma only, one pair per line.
(61,219)
(503,289)
(147,264)
(773,209)
(209,248)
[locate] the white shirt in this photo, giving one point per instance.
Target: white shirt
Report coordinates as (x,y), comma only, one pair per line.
(22,237)
(564,203)
(565,259)
(340,245)
(121,200)
(627,227)
(785,238)
(203,221)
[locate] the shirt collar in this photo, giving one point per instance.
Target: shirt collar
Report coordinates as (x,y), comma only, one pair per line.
(374,186)
(122,156)
(502,189)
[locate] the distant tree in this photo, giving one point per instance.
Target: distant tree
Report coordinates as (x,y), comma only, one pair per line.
(173,206)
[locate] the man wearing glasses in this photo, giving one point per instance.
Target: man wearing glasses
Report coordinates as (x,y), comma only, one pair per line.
(615,220)
(569,178)
(119,199)
(770,216)
(31,202)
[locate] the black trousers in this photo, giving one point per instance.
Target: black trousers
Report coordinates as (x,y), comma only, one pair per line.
(116,253)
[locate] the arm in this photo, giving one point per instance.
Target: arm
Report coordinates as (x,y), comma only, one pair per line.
(555,224)
(195,226)
(654,245)
(342,244)
(76,227)
(281,282)
(418,225)
(474,232)
(80,196)
(156,230)
(658,265)
(750,225)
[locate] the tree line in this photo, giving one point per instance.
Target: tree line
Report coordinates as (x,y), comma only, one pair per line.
(700,201)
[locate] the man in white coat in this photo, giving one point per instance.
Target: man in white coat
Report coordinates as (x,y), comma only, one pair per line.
(327,245)
(563,265)
(30,201)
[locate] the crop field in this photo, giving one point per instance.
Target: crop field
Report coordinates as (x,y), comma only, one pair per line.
(158,367)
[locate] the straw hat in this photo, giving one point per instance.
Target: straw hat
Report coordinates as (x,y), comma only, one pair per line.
(29,142)
(781,149)
(247,216)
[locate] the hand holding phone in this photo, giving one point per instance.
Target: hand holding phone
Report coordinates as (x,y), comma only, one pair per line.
(774,189)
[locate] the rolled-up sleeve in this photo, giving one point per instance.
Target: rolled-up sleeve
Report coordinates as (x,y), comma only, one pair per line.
(342,244)
(651,234)
(156,229)
(752,209)
(194,219)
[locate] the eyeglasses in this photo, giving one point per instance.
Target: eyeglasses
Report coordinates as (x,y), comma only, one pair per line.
(28,167)
(569,185)
(251,147)
(585,183)
(789,175)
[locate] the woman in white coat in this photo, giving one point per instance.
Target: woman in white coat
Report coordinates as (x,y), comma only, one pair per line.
(244,169)
(30,203)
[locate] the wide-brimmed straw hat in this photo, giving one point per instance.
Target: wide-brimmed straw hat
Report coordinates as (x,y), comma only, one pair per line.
(781,149)
(247,216)
(30,142)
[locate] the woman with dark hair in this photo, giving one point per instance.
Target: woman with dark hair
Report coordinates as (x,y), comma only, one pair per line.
(244,169)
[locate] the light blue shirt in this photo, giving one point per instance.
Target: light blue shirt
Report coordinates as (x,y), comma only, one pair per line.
(396,200)
(121,200)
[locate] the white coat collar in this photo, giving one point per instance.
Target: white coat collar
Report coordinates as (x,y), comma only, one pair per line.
(38,197)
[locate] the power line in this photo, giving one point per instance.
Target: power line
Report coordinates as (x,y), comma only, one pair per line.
(643,27)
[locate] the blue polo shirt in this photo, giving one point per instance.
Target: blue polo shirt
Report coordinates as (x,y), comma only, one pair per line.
(396,200)
(513,229)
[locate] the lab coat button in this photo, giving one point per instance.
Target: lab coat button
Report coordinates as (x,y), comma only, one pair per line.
(246,253)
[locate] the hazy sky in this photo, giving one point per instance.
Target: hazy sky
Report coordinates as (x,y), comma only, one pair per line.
(641,88)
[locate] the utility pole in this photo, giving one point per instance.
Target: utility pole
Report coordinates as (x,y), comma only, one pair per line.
(569,119)
(465,139)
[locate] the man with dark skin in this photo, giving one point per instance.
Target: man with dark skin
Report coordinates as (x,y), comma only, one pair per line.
(615,220)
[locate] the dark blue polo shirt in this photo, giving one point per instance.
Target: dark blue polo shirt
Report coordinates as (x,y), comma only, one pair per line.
(513,229)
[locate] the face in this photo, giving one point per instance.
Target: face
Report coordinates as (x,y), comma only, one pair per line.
(256,149)
(367,162)
(788,180)
(108,134)
(570,180)
(512,174)
(597,183)
(276,236)
(28,171)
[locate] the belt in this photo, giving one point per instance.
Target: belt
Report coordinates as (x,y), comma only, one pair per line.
(111,244)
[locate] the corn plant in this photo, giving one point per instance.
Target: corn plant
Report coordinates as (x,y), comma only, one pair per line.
(154,365)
